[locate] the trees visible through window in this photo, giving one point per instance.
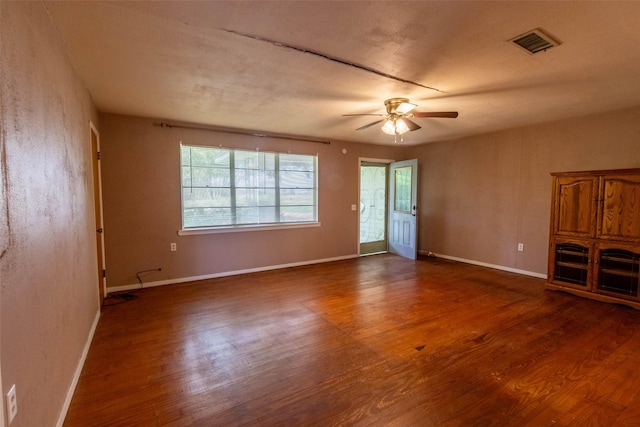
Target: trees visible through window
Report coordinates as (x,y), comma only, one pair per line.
(224,187)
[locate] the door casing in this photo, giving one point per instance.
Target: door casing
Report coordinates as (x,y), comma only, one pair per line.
(97,200)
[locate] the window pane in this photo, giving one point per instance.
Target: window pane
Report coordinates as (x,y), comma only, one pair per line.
(296,213)
(185,155)
(268,214)
(249,160)
(207,156)
(249,178)
(207,217)
(255,197)
(290,179)
(247,215)
(266,197)
(269,161)
(186,176)
(206,197)
(297,197)
(295,162)
(209,177)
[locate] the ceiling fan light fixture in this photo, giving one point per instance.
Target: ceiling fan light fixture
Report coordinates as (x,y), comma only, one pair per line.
(389,127)
(395,126)
(401,127)
(405,107)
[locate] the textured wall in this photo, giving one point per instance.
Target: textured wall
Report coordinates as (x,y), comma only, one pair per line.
(141,189)
(49,296)
(481,196)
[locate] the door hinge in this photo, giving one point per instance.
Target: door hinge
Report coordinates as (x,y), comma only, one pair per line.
(104,273)
(98,155)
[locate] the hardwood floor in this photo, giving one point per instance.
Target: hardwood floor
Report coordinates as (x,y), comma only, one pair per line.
(378,340)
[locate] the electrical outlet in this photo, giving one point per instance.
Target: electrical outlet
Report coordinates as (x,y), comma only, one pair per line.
(174,247)
(12,404)
(520,247)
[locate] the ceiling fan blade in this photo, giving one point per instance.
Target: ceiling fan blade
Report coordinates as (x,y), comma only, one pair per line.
(354,115)
(411,125)
(445,114)
(370,124)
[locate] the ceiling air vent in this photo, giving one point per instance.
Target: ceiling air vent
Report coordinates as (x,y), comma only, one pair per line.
(534,41)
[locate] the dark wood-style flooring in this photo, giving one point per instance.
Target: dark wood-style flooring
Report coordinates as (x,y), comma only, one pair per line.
(378,340)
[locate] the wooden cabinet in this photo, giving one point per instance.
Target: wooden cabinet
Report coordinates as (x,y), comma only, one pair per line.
(619,208)
(575,206)
(595,235)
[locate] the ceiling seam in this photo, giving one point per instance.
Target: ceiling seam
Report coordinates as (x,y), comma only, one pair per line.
(331,58)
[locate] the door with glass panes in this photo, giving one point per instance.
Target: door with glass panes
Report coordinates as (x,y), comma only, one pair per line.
(388,207)
(373,207)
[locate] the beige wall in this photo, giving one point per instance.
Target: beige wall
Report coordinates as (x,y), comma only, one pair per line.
(49,298)
(481,196)
(141,187)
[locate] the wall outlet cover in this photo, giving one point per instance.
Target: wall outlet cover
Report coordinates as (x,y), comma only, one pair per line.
(12,404)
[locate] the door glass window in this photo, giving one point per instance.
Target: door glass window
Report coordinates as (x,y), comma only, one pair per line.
(402,194)
(373,203)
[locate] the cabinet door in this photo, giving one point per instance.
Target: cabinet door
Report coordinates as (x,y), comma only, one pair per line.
(570,263)
(617,271)
(619,216)
(574,207)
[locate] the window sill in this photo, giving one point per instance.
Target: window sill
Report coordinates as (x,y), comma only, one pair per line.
(243,228)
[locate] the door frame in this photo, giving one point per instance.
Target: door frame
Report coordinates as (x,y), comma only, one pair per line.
(382,162)
(98,210)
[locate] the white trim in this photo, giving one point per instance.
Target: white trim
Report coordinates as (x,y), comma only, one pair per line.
(374,160)
(241,228)
(484,264)
(92,128)
(1,403)
(226,274)
(375,253)
(76,376)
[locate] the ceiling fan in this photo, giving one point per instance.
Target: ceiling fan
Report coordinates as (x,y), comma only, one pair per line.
(396,121)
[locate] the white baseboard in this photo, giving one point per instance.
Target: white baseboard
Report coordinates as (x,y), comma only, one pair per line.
(224,274)
(76,376)
(484,264)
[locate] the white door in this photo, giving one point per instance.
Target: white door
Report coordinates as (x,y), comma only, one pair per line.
(403,190)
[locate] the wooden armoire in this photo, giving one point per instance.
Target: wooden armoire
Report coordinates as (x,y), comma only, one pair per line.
(595,235)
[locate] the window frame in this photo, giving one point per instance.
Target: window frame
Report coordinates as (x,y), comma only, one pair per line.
(228,228)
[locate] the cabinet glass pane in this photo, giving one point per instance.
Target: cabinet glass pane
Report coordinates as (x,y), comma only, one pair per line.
(618,271)
(571,263)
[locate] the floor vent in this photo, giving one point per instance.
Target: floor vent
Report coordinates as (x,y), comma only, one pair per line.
(534,41)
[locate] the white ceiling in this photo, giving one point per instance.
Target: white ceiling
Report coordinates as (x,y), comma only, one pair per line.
(227,64)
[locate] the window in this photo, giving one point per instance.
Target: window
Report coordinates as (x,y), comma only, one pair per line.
(402,202)
(223,187)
